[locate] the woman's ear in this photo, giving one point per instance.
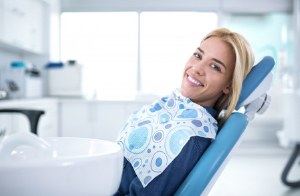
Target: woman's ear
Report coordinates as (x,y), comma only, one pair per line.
(227,89)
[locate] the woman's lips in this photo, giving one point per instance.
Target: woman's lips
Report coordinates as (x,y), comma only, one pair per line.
(194,81)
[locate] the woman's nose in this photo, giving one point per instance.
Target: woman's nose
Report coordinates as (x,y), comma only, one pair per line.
(199,68)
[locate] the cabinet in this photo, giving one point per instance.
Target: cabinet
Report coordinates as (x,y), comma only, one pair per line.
(71,117)
(1,19)
(21,25)
(91,119)
(95,119)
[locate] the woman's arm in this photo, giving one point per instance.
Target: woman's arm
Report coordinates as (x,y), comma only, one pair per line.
(168,182)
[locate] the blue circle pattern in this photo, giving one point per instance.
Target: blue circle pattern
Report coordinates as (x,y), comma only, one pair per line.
(156,134)
(159,161)
(138,139)
(177,140)
(137,163)
(164,118)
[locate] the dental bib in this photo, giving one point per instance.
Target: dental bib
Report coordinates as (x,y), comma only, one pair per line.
(153,137)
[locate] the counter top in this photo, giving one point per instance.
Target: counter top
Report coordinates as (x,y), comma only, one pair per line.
(18,102)
(44,100)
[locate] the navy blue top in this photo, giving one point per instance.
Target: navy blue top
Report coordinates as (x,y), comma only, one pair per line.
(169,181)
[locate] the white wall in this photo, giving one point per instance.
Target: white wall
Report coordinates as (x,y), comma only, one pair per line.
(6,57)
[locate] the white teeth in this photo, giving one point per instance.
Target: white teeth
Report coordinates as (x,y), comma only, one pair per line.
(194,81)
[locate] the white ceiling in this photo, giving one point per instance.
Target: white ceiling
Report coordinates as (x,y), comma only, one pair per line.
(231,6)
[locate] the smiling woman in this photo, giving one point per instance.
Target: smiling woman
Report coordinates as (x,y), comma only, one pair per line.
(210,69)
(128,52)
(163,141)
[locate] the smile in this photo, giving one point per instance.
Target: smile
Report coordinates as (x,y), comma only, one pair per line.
(194,81)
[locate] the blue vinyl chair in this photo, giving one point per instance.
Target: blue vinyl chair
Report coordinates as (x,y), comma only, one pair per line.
(205,173)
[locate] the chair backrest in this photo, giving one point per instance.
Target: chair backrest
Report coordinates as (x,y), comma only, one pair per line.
(208,168)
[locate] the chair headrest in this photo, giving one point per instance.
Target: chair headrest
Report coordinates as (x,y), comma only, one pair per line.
(257,82)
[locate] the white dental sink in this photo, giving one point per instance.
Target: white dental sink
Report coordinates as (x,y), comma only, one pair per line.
(59,166)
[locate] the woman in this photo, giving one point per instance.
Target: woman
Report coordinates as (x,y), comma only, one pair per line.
(162,142)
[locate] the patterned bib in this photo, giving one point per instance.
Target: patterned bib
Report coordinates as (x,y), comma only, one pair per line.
(153,137)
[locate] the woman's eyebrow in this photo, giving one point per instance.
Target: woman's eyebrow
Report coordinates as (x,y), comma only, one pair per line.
(220,62)
(214,59)
(200,50)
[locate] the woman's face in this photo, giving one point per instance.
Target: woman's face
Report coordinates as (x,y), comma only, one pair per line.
(208,72)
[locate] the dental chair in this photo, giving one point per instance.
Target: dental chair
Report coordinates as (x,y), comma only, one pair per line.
(252,100)
(288,168)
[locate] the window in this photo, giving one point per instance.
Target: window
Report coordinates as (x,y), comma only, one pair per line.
(106,46)
(268,35)
(126,52)
(168,39)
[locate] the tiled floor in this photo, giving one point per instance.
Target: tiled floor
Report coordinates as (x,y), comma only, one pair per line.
(254,170)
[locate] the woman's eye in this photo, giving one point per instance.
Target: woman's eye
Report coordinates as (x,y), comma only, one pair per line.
(197,55)
(216,67)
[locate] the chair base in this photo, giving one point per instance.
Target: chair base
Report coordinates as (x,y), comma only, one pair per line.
(288,167)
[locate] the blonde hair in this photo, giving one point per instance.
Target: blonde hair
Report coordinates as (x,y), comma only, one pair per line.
(244,60)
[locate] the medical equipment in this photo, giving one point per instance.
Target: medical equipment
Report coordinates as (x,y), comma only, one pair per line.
(206,171)
(288,167)
(32,115)
(60,166)
(289,137)
(21,81)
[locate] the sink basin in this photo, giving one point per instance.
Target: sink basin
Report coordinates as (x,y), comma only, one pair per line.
(59,166)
